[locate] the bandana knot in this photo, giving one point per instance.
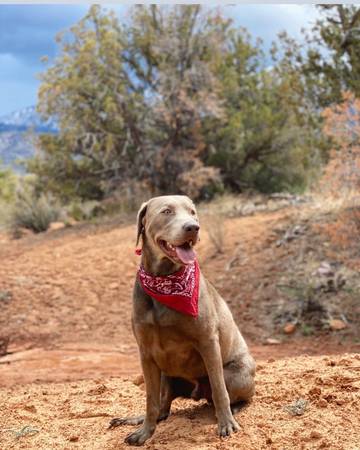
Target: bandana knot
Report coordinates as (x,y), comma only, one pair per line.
(179,291)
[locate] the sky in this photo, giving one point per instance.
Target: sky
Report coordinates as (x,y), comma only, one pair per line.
(27,32)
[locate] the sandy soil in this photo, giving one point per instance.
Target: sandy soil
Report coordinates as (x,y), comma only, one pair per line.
(76,414)
(65,305)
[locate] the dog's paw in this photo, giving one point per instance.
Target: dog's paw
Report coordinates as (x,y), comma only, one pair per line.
(228,427)
(139,436)
(116,422)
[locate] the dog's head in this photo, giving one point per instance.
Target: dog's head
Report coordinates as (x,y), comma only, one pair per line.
(170,226)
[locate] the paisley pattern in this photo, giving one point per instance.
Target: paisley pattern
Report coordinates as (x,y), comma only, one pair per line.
(179,291)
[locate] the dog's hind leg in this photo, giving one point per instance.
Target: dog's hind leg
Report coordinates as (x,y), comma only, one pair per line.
(239,379)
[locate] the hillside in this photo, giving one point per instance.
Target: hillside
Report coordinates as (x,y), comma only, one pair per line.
(70,357)
(15,142)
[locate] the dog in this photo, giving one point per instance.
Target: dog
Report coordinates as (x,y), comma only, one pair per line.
(191,348)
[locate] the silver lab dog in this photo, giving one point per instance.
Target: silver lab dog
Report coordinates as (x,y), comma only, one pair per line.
(180,354)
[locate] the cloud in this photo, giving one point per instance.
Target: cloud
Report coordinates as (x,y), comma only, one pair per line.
(266,21)
(28,31)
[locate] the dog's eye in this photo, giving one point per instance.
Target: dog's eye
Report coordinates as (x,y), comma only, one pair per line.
(167,211)
(193,212)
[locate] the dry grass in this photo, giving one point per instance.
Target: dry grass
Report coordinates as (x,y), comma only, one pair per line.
(215,226)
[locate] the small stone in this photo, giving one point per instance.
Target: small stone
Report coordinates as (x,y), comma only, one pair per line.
(138,380)
(325,269)
(322,403)
(113,285)
(298,407)
(56,226)
(337,324)
(289,328)
(30,408)
(248,209)
(73,438)
(315,435)
(271,360)
(272,341)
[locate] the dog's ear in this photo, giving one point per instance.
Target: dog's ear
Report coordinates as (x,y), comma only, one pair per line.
(140,224)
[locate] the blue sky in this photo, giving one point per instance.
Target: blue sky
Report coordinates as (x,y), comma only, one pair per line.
(27,33)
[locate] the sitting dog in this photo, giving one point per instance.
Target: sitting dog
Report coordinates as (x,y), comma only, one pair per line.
(188,341)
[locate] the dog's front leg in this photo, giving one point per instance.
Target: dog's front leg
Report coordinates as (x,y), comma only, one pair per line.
(211,354)
(152,383)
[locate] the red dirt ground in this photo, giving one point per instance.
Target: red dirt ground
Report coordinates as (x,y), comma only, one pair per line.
(72,355)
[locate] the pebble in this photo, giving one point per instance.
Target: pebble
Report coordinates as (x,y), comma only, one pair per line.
(315,435)
(289,328)
(337,324)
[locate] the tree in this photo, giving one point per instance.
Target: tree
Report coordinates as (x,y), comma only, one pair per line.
(176,99)
(267,140)
(88,92)
(129,100)
(342,124)
(331,58)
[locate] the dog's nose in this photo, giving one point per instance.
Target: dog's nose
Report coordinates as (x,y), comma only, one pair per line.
(191,227)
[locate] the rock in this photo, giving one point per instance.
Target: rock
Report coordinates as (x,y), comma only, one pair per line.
(322,403)
(272,341)
(138,380)
(325,269)
(5,296)
(248,209)
(315,435)
(73,438)
(56,226)
(298,407)
(337,324)
(113,285)
(289,328)
(331,363)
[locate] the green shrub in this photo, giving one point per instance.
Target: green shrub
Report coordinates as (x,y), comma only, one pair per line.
(7,185)
(84,210)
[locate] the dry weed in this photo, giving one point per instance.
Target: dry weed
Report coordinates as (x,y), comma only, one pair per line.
(216,230)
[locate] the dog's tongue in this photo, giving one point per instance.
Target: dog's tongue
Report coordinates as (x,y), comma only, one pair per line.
(186,254)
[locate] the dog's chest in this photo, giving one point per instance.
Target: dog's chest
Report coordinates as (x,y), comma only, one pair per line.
(174,354)
(172,350)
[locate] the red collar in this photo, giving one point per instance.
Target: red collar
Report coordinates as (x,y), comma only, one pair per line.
(179,291)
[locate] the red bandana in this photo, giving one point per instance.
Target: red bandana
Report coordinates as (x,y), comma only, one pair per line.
(179,291)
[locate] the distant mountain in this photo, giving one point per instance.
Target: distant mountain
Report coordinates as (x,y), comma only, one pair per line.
(14,144)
